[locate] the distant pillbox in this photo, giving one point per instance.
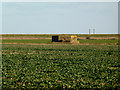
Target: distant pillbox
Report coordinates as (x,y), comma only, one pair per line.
(65,38)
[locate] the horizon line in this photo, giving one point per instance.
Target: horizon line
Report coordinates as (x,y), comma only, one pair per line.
(53,33)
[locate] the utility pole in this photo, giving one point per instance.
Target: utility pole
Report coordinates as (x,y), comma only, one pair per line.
(93,31)
(89,31)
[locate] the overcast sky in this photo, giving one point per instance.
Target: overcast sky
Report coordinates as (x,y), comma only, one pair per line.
(60,17)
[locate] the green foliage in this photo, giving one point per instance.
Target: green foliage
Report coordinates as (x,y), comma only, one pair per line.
(48,41)
(27,41)
(60,66)
(99,41)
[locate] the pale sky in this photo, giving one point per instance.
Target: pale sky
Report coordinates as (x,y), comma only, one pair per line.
(59,17)
(60,0)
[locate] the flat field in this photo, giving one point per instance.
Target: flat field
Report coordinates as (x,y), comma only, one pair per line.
(48,41)
(60,66)
(109,39)
(33,61)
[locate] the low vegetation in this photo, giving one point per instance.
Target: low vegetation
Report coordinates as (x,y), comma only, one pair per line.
(95,64)
(101,41)
(49,41)
(60,66)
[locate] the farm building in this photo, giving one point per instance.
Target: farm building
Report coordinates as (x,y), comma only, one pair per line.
(65,38)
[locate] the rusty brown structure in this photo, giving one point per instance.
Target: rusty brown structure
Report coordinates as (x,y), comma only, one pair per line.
(65,38)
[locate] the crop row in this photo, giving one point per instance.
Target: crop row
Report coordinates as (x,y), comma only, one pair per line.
(49,41)
(60,66)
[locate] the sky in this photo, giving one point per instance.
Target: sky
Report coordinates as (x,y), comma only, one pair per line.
(59,17)
(0,18)
(118,16)
(60,0)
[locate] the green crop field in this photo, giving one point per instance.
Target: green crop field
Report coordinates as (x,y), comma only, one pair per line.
(49,41)
(60,66)
(101,41)
(107,39)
